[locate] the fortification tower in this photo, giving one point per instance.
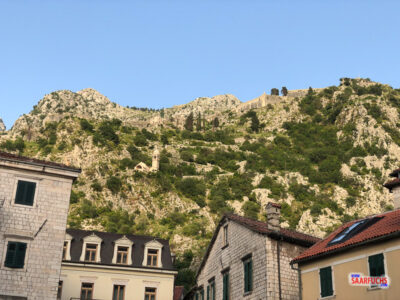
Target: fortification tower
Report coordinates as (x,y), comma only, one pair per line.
(155,165)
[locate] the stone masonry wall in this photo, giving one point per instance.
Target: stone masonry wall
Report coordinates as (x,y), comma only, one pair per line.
(242,242)
(289,277)
(39,278)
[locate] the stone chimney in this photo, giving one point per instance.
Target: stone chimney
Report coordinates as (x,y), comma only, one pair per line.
(273,215)
(394,187)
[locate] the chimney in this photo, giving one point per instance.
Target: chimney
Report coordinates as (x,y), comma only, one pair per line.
(273,215)
(394,187)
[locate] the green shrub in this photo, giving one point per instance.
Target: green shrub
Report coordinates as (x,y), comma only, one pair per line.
(96,186)
(114,184)
(86,125)
(251,209)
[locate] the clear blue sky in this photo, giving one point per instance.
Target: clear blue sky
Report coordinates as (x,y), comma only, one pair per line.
(161,53)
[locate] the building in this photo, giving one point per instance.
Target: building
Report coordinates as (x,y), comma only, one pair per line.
(249,259)
(362,249)
(101,265)
(34,201)
(155,163)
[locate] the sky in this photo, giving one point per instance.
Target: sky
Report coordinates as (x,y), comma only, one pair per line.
(155,53)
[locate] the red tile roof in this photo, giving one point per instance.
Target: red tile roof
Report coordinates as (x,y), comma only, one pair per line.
(392,183)
(262,227)
(386,227)
(178,292)
(14,157)
(277,205)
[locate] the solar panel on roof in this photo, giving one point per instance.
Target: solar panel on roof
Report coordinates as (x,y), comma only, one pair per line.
(341,236)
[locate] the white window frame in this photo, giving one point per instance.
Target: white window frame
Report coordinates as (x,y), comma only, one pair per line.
(68,238)
(225,234)
(28,179)
(18,239)
(123,242)
(333,283)
(91,239)
(153,245)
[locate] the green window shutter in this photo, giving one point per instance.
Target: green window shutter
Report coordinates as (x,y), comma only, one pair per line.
(15,257)
(376,265)
(208,292)
(197,296)
(250,275)
(213,291)
(11,254)
(325,277)
(246,276)
(225,293)
(25,192)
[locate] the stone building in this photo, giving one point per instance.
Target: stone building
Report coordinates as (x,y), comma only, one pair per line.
(249,259)
(110,266)
(155,164)
(34,200)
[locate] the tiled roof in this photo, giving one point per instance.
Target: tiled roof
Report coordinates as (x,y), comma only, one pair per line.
(392,183)
(287,234)
(178,292)
(386,227)
(277,205)
(107,247)
(14,157)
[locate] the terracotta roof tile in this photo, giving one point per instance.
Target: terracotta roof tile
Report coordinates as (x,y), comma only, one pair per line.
(387,224)
(14,157)
(392,183)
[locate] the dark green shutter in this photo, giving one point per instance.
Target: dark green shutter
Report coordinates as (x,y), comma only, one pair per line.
(376,265)
(25,192)
(325,277)
(15,257)
(213,291)
(250,276)
(225,287)
(246,276)
(208,292)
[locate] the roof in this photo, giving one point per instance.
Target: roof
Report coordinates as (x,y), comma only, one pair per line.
(392,183)
(34,161)
(277,205)
(284,234)
(107,248)
(386,226)
(178,292)
(394,173)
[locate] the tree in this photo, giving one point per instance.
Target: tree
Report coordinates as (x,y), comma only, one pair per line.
(162,113)
(310,91)
(198,122)
(274,92)
(189,122)
(284,91)
(255,123)
(215,122)
(164,139)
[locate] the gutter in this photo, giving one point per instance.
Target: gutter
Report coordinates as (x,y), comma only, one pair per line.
(278,257)
(300,283)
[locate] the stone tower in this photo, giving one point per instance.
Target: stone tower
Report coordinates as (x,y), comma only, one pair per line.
(394,187)
(155,165)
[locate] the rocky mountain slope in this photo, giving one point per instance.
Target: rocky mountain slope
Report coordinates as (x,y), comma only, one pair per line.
(2,126)
(323,154)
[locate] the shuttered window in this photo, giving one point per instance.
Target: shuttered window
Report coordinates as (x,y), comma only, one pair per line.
(376,265)
(211,290)
(208,292)
(15,257)
(248,275)
(225,291)
(25,192)
(325,278)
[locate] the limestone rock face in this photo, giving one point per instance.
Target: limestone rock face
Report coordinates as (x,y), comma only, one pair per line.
(2,126)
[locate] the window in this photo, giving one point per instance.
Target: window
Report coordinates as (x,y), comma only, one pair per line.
(87,291)
(91,252)
(119,292)
(225,290)
(150,294)
(202,294)
(376,265)
(65,247)
(211,290)
(248,275)
(225,236)
(122,255)
(15,257)
(152,257)
(325,278)
(59,291)
(25,192)
(353,229)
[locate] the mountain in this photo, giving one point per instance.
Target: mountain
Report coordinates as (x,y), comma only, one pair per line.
(322,153)
(2,126)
